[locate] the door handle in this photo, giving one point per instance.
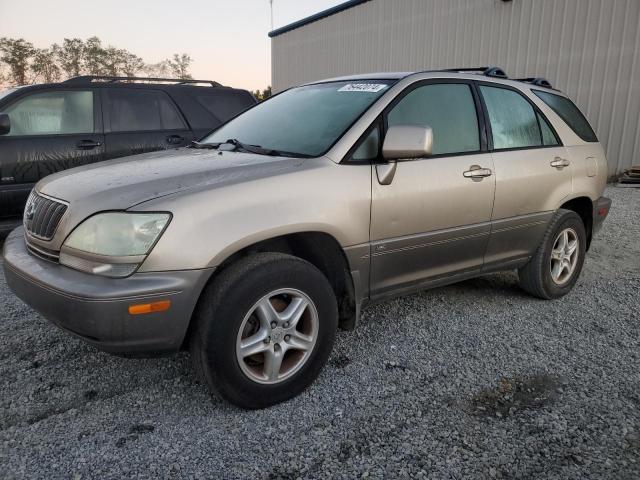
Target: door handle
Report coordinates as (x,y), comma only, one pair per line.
(560,163)
(477,172)
(175,139)
(88,144)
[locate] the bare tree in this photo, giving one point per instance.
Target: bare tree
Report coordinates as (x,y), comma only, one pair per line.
(24,63)
(131,64)
(160,69)
(70,55)
(111,61)
(262,94)
(93,56)
(179,65)
(16,53)
(44,66)
(4,77)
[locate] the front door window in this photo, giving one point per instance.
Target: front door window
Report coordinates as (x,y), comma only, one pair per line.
(448,109)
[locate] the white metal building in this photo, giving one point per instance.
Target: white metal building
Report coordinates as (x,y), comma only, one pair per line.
(589,49)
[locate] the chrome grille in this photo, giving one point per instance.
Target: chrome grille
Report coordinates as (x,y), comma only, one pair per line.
(42,215)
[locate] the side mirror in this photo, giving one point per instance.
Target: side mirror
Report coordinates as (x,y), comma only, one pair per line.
(5,124)
(407,141)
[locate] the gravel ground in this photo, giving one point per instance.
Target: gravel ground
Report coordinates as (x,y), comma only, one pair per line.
(475,380)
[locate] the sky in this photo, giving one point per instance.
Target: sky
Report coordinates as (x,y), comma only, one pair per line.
(227,39)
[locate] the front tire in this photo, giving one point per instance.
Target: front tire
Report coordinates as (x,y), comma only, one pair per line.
(264,328)
(555,267)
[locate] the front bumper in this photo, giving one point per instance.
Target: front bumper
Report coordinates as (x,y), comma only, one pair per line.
(97,308)
(601,209)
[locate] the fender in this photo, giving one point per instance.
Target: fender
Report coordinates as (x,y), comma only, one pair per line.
(209,225)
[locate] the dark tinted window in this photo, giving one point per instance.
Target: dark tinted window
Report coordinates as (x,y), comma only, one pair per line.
(513,119)
(226,106)
(568,112)
(134,110)
(450,112)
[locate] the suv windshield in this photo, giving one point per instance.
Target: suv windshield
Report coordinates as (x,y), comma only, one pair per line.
(304,120)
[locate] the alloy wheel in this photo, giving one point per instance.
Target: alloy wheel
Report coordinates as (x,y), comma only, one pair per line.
(564,256)
(277,336)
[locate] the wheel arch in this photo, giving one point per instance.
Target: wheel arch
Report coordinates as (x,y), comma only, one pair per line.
(583,206)
(322,250)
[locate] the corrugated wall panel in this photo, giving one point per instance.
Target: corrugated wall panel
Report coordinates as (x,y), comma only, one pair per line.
(589,49)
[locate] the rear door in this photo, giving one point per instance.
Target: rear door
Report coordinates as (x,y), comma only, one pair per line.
(533,173)
(142,120)
(51,130)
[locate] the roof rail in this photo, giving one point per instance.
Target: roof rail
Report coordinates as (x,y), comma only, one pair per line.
(538,81)
(486,71)
(499,73)
(86,79)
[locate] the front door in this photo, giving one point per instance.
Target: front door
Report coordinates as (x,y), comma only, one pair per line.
(433,220)
(50,131)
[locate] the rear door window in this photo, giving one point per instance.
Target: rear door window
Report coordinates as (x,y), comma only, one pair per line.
(568,112)
(513,120)
(448,109)
(61,112)
(142,110)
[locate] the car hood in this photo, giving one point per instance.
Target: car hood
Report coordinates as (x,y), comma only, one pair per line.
(125,182)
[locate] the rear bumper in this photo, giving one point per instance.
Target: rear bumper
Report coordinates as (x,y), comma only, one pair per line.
(601,209)
(96,308)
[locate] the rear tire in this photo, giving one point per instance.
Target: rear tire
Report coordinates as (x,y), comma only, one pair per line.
(280,307)
(555,267)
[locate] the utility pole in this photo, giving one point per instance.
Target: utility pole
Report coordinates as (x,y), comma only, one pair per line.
(271,6)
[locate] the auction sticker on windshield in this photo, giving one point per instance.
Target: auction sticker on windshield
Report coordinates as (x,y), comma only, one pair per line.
(363,87)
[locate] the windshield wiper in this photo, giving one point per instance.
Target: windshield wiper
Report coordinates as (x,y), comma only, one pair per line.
(249,148)
(208,146)
(257,149)
(283,153)
(263,151)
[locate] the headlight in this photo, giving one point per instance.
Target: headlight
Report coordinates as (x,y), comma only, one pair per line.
(113,244)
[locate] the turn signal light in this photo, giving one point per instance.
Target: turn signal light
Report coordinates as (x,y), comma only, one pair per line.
(141,308)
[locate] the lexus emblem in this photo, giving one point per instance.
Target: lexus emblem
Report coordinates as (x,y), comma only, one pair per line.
(29,211)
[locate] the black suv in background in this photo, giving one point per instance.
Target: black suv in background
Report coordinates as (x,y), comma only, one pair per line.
(52,127)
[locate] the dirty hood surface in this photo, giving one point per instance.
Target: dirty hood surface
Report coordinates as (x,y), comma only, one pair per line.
(125,182)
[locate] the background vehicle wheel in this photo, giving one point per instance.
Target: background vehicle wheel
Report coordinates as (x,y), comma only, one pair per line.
(554,269)
(264,329)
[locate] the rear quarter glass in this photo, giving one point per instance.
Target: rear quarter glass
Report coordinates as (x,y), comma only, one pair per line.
(224,106)
(571,115)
